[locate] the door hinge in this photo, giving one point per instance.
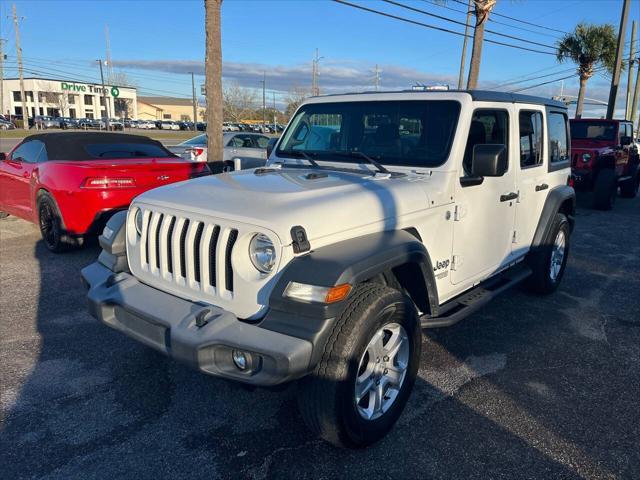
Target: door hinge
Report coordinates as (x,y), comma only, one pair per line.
(456,261)
(458,213)
(514,238)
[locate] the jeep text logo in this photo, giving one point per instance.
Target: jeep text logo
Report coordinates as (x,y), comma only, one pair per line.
(440,265)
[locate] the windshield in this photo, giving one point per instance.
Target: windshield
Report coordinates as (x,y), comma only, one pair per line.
(593,130)
(404,133)
(198,140)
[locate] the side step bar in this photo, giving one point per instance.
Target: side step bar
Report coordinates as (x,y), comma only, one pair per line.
(465,304)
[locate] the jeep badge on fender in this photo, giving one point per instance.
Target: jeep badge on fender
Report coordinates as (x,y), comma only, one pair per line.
(324,266)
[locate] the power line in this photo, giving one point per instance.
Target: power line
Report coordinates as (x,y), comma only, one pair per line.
(447,19)
(596,70)
(518,20)
(534,78)
(434,27)
(492,20)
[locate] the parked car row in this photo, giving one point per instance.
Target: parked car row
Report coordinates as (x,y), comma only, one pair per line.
(241,150)
(164,125)
(252,127)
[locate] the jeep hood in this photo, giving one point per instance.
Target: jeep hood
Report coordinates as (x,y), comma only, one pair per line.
(323,202)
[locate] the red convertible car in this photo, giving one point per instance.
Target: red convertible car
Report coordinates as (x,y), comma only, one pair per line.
(71,183)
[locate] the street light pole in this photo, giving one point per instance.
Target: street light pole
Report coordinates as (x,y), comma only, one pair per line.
(264,105)
(195,102)
(104,95)
(615,78)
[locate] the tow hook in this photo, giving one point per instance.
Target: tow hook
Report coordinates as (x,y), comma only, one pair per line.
(203,317)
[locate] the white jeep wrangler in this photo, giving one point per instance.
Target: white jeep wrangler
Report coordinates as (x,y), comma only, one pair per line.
(377,215)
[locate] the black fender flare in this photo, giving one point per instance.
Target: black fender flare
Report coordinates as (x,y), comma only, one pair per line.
(352,261)
(556,197)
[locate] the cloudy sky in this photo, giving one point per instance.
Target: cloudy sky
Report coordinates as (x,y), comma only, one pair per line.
(158,43)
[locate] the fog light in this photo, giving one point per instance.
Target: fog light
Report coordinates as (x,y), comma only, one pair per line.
(239,359)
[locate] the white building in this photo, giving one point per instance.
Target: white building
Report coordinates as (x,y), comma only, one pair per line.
(64,98)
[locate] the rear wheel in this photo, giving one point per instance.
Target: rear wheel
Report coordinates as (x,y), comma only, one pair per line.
(362,383)
(50,223)
(605,190)
(629,189)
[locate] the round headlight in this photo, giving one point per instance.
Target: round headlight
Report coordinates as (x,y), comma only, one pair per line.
(138,221)
(262,253)
(586,157)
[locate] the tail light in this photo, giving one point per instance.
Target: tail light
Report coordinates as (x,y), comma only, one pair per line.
(570,180)
(195,152)
(108,182)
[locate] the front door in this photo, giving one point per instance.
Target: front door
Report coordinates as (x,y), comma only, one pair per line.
(16,172)
(484,213)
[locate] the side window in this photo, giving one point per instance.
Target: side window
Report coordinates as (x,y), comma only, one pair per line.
(32,151)
(487,127)
(558,137)
(235,142)
(262,142)
(530,125)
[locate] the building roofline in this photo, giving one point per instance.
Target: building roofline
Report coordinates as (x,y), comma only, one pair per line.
(73,81)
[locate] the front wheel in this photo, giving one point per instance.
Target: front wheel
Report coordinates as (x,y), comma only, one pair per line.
(629,189)
(549,262)
(605,190)
(362,383)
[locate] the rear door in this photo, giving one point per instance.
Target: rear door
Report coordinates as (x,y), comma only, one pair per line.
(531,175)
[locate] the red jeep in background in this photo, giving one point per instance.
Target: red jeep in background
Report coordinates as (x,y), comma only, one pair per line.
(604,157)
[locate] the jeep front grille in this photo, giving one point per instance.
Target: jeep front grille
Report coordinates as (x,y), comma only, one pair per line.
(187,252)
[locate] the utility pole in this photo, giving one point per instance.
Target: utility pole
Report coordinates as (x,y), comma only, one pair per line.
(636,100)
(632,59)
(615,79)
(104,96)
(315,86)
(275,119)
(108,58)
(264,105)
(195,102)
(25,113)
(377,78)
(463,58)
(2,40)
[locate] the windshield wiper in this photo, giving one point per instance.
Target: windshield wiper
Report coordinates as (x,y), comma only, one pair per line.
(373,162)
(300,153)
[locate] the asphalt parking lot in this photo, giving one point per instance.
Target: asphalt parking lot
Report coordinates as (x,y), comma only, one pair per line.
(527,388)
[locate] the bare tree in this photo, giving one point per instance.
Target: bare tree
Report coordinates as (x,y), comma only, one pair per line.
(293,100)
(213,74)
(122,107)
(123,80)
(239,102)
(60,100)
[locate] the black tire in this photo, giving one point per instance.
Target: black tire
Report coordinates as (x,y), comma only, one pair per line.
(327,396)
(605,190)
(629,188)
(541,280)
(51,229)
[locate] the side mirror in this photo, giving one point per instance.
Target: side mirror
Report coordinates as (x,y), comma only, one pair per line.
(3,156)
(625,140)
(489,160)
(271,145)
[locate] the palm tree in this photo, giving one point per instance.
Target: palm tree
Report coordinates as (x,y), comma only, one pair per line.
(213,82)
(482,9)
(590,46)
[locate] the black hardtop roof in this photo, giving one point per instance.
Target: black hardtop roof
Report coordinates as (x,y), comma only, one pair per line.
(70,145)
(479,96)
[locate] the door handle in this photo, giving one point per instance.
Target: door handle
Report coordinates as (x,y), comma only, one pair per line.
(26,174)
(539,188)
(508,197)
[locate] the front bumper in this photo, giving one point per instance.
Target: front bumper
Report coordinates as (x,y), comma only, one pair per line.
(170,325)
(582,179)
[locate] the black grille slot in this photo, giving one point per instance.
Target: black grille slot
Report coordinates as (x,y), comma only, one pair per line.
(196,251)
(183,256)
(146,240)
(233,236)
(157,237)
(213,242)
(169,245)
